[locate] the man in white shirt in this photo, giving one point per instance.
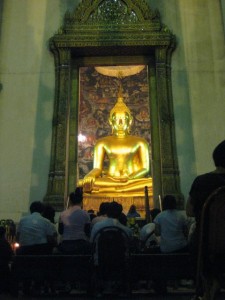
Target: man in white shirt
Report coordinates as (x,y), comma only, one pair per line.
(35,234)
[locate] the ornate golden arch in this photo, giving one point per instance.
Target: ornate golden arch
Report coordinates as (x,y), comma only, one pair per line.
(105,32)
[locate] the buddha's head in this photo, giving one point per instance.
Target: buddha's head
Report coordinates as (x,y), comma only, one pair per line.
(120,117)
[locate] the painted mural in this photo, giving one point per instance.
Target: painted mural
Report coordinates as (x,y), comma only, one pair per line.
(98,94)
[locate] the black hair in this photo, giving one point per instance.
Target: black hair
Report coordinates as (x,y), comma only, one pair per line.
(2,232)
(169,202)
(219,155)
(76,197)
(103,208)
(114,210)
(132,209)
(37,206)
(49,213)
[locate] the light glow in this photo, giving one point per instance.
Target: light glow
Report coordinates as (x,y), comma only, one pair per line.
(82,138)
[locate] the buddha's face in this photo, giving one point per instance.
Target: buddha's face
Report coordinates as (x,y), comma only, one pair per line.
(120,122)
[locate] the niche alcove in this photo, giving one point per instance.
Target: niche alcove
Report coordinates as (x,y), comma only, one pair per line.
(112,33)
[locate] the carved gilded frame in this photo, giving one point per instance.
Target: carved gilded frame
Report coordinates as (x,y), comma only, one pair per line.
(131,33)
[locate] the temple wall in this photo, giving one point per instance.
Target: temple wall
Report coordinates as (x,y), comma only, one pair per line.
(198,69)
(27,91)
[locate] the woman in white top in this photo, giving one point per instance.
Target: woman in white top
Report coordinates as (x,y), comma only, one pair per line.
(171,225)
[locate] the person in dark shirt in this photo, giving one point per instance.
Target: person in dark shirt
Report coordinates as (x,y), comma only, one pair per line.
(132,213)
(202,186)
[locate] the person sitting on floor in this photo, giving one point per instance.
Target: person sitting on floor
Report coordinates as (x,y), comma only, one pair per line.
(35,234)
(6,254)
(171,226)
(132,213)
(113,213)
(72,224)
(113,246)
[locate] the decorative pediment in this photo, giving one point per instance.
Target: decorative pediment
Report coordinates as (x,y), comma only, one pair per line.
(109,23)
(116,12)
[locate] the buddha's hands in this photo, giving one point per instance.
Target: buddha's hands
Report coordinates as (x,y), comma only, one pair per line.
(88,184)
(89,180)
(119,179)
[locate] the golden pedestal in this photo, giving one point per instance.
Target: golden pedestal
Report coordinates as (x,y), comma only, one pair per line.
(93,201)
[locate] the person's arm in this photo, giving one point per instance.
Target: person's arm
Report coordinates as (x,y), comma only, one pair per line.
(60,227)
(94,231)
(189,208)
(157,229)
(87,229)
(185,230)
(52,239)
(51,234)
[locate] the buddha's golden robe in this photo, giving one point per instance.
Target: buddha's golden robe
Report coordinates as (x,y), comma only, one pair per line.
(128,158)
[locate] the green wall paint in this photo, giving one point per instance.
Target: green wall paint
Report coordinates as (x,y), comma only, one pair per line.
(28,80)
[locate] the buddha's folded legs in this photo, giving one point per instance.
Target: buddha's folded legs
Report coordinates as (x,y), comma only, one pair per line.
(101,186)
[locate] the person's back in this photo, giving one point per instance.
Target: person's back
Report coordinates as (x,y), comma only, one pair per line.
(72,226)
(202,186)
(34,232)
(171,225)
(111,242)
(113,213)
(132,213)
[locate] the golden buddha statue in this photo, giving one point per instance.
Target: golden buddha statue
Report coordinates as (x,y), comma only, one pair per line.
(128,159)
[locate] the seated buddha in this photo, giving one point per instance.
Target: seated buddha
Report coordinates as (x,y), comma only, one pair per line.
(128,157)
